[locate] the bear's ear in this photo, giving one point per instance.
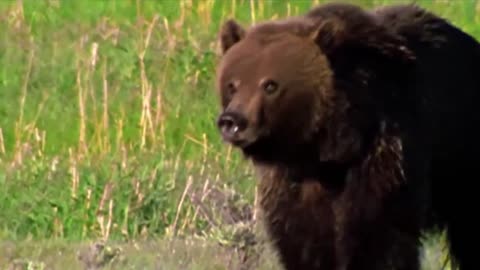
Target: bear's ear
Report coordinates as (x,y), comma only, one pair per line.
(332,34)
(230,33)
(329,34)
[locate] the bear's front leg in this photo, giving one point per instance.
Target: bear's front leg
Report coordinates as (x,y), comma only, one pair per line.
(382,248)
(376,235)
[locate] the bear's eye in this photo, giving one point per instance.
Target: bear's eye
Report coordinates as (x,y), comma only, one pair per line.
(231,89)
(270,86)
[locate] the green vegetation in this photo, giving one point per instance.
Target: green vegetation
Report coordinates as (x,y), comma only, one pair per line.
(107,127)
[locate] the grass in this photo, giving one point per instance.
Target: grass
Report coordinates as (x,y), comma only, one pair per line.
(107,132)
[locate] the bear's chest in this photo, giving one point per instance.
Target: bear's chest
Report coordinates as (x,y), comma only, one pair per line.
(299,218)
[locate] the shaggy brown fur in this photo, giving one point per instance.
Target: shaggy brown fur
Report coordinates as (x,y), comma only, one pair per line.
(345,115)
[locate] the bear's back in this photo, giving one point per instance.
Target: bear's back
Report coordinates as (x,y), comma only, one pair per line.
(447,64)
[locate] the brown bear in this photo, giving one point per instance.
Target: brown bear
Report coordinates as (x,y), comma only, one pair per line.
(363,127)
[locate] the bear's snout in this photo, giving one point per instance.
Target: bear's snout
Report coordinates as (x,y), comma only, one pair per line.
(231,126)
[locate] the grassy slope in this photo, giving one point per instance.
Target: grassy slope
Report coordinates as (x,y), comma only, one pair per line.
(107,115)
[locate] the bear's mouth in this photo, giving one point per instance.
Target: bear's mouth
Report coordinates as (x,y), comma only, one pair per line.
(240,140)
(240,143)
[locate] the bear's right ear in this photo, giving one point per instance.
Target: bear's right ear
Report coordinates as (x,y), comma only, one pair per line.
(329,34)
(230,33)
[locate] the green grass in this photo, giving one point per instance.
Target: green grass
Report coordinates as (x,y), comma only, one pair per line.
(107,113)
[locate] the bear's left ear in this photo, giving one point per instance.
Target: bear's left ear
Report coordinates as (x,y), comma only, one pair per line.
(329,34)
(230,33)
(333,33)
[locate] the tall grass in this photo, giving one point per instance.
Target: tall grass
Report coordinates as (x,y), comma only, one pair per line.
(107,116)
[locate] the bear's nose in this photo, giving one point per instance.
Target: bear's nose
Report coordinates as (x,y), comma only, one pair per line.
(231,123)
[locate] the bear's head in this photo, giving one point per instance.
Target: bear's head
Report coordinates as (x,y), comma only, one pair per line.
(304,84)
